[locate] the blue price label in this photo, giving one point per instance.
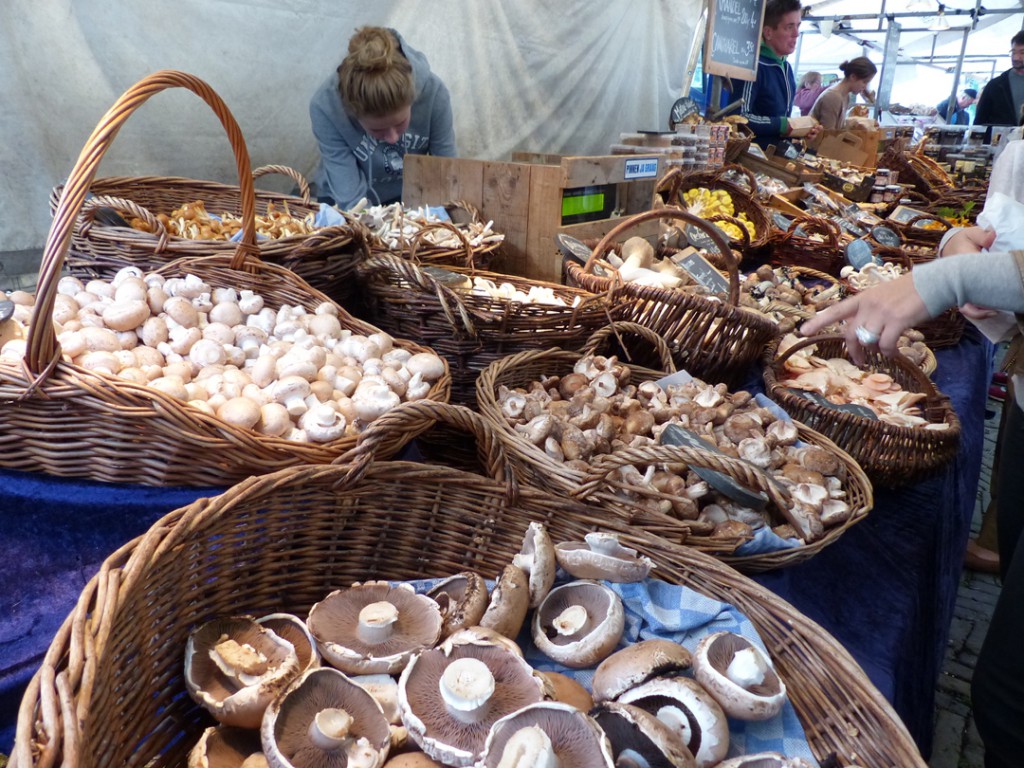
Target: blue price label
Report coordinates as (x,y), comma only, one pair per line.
(642,168)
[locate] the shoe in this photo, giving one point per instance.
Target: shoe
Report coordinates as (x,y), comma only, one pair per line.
(997,392)
(1000,377)
(977,558)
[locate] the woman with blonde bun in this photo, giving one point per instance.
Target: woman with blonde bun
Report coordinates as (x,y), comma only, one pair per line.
(382,103)
(830,108)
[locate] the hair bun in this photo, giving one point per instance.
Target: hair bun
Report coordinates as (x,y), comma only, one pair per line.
(372,49)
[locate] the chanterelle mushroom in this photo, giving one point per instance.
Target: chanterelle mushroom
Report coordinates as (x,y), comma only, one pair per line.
(325,719)
(374,627)
(234,668)
(450,696)
(546,735)
(579,623)
(739,675)
(602,557)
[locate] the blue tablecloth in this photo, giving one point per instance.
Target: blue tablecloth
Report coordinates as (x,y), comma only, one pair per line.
(885,590)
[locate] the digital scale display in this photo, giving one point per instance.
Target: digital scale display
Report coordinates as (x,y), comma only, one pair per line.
(591,203)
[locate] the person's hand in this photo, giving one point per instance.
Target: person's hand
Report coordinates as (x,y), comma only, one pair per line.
(974,312)
(801,126)
(969,240)
(885,310)
(813,133)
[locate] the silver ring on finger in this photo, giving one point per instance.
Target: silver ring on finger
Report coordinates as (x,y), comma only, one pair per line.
(866,337)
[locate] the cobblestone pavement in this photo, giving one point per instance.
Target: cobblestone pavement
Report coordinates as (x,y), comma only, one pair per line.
(956,742)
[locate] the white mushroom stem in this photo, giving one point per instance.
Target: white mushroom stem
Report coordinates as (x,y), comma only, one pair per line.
(747,668)
(529,747)
(466,686)
(330,728)
(376,621)
(572,621)
(239,661)
(676,719)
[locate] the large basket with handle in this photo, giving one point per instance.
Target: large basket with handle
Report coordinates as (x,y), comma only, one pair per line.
(323,256)
(110,690)
(809,241)
(69,421)
(634,502)
(712,337)
(890,454)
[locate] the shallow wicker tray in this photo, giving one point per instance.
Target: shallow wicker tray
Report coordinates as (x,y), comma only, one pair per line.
(65,420)
(326,259)
(711,337)
(536,468)
(110,690)
(469,330)
(890,455)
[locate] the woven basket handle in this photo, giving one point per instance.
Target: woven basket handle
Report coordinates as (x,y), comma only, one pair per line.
(291,173)
(318,241)
(743,472)
(602,335)
(455,310)
(92,206)
(681,215)
(668,185)
(746,173)
(927,217)
(744,238)
(815,224)
(417,239)
(414,415)
(800,271)
(43,353)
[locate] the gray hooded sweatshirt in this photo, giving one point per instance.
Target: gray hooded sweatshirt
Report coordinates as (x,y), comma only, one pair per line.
(355,165)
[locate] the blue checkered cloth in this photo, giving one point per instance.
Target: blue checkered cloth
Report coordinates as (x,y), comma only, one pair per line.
(656,609)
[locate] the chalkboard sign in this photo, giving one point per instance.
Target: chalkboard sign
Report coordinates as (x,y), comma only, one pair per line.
(733,39)
(704,272)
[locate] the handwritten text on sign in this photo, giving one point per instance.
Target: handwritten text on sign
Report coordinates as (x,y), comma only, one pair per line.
(734,37)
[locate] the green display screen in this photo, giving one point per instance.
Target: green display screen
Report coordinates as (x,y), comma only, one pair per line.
(580,204)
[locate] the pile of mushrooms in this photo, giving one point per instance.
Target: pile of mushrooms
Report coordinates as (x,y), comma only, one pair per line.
(395,226)
(637,263)
(595,410)
(285,373)
(437,679)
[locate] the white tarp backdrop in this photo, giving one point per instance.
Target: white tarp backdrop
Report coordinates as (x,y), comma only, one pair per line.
(525,75)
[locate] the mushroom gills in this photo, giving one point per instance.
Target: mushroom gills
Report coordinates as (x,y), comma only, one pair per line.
(466,686)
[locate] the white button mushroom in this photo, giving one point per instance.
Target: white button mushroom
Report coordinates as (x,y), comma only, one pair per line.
(323,423)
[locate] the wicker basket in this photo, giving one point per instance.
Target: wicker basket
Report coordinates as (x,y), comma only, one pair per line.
(634,344)
(802,250)
(68,421)
(471,330)
(441,243)
(326,258)
(890,455)
(537,468)
(713,339)
(672,185)
(110,690)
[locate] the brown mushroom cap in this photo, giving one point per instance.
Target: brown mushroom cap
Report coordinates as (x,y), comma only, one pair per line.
(766,760)
(566,690)
(374,627)
(462,600)
(412,760)
(579,623)
(636,664)
(234,667)
(568,736)
(322,719)
(739,675)
(454,731)
(639,738)
(601,556)
(537,558)
(225,746)
(684,705)
(510,600)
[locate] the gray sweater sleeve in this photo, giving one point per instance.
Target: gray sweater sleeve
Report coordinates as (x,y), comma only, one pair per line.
(987,279)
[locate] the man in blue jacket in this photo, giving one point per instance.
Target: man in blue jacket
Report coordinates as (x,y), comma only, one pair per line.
(768,100)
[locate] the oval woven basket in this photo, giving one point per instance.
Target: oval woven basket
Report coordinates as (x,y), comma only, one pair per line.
(73,422)
(673,184)
(472,330)
(538,469)
(890,455)
(711,337)
(326,258)
(823,254)
(110,690)
(439,243)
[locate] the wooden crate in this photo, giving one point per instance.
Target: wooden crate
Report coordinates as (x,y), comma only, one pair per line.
(524,199)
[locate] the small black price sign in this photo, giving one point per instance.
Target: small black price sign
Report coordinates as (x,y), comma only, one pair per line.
(573,248)
(721,482)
